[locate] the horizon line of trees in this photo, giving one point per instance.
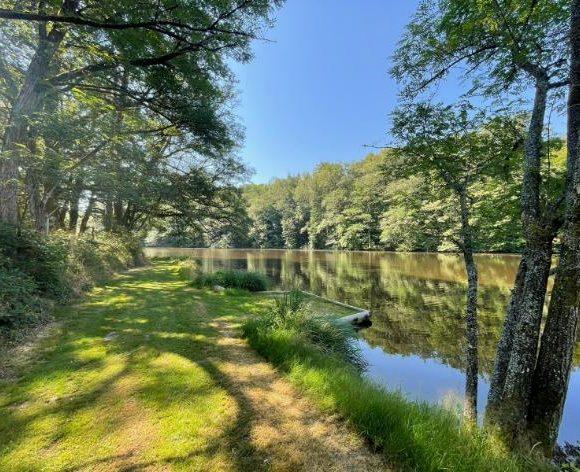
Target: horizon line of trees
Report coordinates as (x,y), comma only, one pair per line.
(373,204)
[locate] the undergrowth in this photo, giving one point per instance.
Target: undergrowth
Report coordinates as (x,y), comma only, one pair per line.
(245,280)
(37,270)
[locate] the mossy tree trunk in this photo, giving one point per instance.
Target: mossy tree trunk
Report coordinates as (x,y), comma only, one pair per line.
(517,350)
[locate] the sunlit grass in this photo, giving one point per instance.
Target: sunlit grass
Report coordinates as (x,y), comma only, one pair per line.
(162,395)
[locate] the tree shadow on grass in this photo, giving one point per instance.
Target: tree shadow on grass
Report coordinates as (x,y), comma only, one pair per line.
(154,314)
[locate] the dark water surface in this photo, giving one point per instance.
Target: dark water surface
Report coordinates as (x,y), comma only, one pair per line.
(417,303)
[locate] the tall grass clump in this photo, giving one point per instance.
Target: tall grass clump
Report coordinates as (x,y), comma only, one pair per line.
(245,280)
(292,314)
(412,435)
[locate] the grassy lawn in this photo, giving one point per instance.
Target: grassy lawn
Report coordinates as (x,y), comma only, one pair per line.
(172,391)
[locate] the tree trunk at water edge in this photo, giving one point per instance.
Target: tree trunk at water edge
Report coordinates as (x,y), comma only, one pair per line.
(554,363)
(517,350)
(472,355)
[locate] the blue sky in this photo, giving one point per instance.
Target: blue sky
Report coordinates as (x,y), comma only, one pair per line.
(321,90)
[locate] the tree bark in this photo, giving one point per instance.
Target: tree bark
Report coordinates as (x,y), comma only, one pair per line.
(87,215)
(472,357)
(554,362)
(108,216)
(517,350)
(505,344)
(74,205)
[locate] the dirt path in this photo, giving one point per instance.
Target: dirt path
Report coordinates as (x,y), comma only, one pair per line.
(287,427)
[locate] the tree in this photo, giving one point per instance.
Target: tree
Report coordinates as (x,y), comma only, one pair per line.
(460,148)
(169,60)
(508,45)
(552,372)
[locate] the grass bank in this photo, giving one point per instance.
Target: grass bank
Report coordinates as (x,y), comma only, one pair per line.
(412,436)
(37,271)
(147,373)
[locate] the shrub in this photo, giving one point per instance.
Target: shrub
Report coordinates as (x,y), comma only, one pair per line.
(252,281)
(93,261)
(292,315)
(41,258)
(36,268)
(20,303)
(189,269)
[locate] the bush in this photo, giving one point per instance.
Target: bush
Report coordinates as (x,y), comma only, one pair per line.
(291,314)
(43,259)
(20,303)
(36,268)
(252,281)
(93,261)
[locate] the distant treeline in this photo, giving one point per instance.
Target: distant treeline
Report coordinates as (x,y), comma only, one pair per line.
(369,205)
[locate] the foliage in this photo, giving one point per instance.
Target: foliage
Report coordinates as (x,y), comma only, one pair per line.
(498,45)
(42,260)
(380,204)
(292,314)
(20,303)
(130,127)
(36,268)
(245,280)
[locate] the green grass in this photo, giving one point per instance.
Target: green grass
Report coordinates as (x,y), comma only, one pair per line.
(154,397)
(320,305)
(293,313)
(413,436)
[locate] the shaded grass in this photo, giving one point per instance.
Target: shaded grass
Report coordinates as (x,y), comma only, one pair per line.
(174,390)
(414,436)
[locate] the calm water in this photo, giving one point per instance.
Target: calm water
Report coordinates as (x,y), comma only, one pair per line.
(417,302)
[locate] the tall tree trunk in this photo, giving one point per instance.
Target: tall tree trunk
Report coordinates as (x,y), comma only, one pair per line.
(559,338)
(60,217)
(472,357)
(87,215)
(504,347)
(108,216)
(74,205)
(27,103)
(512,410)
(517,350)
(118,214)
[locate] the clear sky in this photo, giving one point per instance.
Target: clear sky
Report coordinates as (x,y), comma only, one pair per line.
(321,91)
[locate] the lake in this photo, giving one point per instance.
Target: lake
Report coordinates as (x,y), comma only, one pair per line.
(417,301)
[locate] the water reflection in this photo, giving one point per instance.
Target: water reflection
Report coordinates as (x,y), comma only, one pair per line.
(416,342)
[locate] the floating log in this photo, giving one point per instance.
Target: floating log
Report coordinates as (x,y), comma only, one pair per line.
(358,319)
